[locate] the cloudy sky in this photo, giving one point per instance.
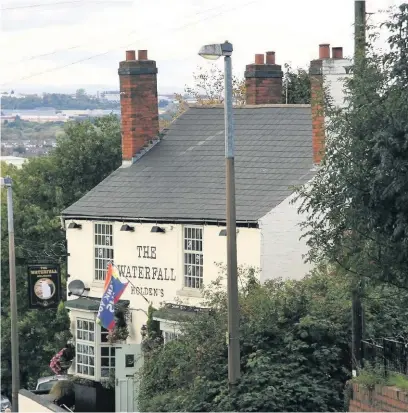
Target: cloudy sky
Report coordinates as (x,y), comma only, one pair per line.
(61,45)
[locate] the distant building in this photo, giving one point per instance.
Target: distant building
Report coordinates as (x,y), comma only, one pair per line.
(111,95)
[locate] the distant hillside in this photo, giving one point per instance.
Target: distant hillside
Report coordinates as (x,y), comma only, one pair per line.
(56,100)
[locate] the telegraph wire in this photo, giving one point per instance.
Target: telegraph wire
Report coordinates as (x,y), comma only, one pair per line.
(31,6)
(124,45)
(80,45)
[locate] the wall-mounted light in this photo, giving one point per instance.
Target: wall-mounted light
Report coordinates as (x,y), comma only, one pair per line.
(223,232)
(157,229)
(74,225)
(126,227)
(143,331)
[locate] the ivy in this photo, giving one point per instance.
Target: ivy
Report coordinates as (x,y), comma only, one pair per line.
(295,347)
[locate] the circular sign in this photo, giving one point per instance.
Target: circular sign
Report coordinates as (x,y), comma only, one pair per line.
(44,288)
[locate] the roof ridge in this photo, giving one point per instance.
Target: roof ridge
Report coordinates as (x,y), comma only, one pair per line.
(280,105)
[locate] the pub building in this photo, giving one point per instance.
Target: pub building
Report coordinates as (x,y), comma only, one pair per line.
(160,218)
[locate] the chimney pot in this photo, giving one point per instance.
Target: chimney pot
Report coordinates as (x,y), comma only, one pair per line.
(142,55)
(270,58)
(324,51)
(259,59)
(337,53)
(130,55)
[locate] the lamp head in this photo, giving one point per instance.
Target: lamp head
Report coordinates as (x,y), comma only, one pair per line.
(215,51)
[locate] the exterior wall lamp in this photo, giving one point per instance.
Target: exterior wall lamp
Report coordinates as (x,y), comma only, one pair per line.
(223,233)
(143,331)
(157,229)
(74,225)
(126,227)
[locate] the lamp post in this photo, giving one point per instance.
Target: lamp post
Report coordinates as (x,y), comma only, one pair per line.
(214,52)
(15,368)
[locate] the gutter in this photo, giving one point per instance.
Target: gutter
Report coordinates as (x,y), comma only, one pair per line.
(198,221)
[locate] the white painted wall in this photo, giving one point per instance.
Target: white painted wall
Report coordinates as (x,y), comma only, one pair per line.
(281,247)
(334,73)
(34,403)
(168,255)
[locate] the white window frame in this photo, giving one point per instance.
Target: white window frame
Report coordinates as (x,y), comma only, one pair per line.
(83,339)
(170,329)
(169,336)
(193,257)
(103,249)
(110,357)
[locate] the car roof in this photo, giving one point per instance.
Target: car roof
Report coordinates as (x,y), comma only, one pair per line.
(49,378)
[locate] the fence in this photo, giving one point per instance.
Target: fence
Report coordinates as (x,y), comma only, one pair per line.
(390,354)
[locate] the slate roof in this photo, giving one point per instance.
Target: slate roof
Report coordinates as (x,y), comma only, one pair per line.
(183,176)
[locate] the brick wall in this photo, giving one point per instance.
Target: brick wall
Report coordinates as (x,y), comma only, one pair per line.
(380,399)
(138,99)
(263,81)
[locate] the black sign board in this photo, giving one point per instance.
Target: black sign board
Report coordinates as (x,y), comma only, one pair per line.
(44,286)
(129,360)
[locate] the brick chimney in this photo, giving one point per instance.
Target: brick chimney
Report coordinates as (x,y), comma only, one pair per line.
(263,81)
(138,102)
(317,103)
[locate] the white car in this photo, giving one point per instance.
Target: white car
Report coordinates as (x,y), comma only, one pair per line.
(46,383)
(5,403)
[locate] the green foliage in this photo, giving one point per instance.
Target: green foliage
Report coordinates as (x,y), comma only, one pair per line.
(43,187)
(57,101)
(370,376)
(295,348)
(296,86)
(357,204)
(153,326)
(21,129)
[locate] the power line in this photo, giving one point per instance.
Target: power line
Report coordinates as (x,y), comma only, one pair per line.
(124,45)
(98,38)
(31,6)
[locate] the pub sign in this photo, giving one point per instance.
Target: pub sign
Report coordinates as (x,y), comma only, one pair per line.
(44,286)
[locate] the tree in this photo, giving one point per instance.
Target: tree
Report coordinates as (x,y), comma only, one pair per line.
(42,188)
(208,89)
(80,93)
(294,338)
(296,86)
(357,204)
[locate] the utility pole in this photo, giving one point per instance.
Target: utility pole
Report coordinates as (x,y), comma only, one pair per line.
(357,308)
(15,365)
(213,52)
(234,363)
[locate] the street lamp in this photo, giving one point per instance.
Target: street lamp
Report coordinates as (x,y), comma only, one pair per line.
(15,369)
(214,52)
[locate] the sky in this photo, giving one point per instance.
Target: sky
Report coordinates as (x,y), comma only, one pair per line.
(63,45)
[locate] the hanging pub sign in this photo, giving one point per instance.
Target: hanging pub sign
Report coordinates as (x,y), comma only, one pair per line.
(44,286)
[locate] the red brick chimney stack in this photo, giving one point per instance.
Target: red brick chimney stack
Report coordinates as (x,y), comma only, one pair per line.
(138,101)
(263,81)
(317,102)
(324,51)
(337,53)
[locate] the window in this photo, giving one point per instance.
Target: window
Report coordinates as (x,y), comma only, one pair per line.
(193,257)
(103,249)
(107,355)
(169,336)
(85,347)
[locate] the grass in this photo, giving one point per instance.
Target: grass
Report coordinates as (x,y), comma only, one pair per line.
(369,377)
